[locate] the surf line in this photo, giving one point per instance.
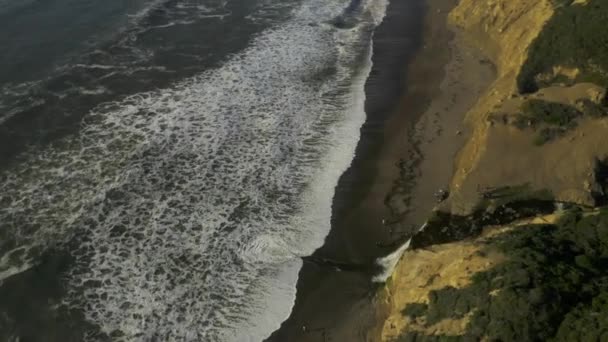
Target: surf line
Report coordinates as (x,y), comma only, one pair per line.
(389,262)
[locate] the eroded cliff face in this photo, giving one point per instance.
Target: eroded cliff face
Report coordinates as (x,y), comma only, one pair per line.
(549,140)
(449,265)
(504,152)
(502,28)
(539,279)
(423,282)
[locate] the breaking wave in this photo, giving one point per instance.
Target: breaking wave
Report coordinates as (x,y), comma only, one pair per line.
(187,208)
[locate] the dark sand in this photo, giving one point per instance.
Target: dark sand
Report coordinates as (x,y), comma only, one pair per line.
(336,299)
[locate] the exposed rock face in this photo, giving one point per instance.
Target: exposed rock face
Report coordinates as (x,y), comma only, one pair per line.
(502,28)
(423,271)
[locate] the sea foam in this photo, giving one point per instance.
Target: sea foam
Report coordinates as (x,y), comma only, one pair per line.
(188,208)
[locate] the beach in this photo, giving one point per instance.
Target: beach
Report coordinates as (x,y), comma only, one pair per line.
(422,83)
(303,170)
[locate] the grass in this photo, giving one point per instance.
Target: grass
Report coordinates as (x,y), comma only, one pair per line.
(574,37)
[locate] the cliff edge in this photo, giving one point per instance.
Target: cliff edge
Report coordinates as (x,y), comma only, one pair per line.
(543,120)
(518,251)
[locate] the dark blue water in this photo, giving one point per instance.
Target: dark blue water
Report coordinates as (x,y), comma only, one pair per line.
(164,165)
(39,35)
(68,56)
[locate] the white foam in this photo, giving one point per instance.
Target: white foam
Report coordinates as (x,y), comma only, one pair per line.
(389,262)
(192,204)
(269,249)
(9,265)
(99,66)
(14,99)
(145,11)
(94,91)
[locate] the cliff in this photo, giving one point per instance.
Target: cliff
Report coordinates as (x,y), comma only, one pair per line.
(495,266)
(540,279)
(515,140)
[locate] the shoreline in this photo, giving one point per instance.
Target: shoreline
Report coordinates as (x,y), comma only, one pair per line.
(335,294)
(440,133)
(328,300)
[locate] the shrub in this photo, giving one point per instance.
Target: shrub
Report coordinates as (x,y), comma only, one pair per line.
(548,134)
(551,113)
(591,108)
(552,287)
(574,37)
(558,116)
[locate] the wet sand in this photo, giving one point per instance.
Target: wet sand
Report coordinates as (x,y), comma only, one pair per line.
(421,85)
(427,165)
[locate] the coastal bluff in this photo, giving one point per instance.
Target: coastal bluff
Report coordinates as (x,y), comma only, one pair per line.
(537,140)
(511,143)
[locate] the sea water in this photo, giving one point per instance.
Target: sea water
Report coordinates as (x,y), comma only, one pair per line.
(181,156)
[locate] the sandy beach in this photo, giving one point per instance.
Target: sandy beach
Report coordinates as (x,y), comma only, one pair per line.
(422,84)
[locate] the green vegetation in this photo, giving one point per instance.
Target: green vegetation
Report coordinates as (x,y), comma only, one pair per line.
(498,206)
(555,119)
(548,134)
(415,310)
(591,108)
(574,37)
(558,3)
(535,112)
(553,287)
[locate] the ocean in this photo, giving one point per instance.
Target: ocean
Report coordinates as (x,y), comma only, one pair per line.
(166,164)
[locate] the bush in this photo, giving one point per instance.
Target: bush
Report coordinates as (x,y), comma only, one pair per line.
(558,116)
(498,206)
(553,287)
(550,113)
(548,134)
(574,37)
(592,109)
